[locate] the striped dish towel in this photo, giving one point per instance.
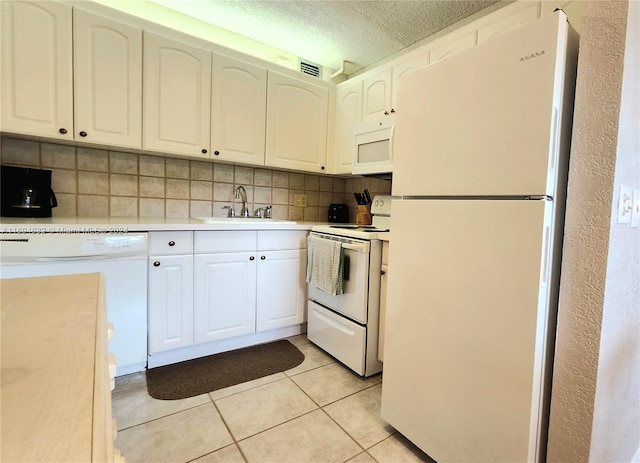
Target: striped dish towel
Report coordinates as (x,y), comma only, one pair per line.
(325,262)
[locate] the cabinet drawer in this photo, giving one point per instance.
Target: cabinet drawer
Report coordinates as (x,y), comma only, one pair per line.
(168,243)
(225,241)
(339,336)
(276,240)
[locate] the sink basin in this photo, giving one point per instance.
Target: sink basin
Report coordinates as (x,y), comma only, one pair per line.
(236,220)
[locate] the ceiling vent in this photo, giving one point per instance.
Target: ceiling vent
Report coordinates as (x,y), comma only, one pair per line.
(311,69)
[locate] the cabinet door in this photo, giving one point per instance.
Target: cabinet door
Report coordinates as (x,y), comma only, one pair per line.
(108,81)
(177,97)
(225,292)
(170,303)
(37,74)
(401,70)
(238,111)
(377,95)
(281,289)
(297,122)
(510,22)
(348,115)
(450,48)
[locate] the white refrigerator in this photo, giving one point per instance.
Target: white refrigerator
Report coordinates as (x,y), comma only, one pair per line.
(480,163)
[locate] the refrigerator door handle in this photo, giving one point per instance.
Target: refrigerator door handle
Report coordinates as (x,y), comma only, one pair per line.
(547,256)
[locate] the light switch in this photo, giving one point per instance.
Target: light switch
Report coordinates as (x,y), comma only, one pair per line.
(635,213)
(625,204)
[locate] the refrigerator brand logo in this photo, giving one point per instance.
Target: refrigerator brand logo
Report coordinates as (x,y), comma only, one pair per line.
(532,55)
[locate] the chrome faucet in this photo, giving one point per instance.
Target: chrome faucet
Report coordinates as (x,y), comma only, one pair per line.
(241,194)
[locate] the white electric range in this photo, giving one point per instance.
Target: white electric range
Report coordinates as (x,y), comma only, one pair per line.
(380,223)
(346,325)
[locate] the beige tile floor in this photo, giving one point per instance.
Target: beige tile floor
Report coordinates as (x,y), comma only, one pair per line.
(316,412)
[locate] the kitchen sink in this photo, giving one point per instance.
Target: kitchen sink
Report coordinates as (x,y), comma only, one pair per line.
(237,220)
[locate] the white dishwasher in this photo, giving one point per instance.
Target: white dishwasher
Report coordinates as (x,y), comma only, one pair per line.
(121,258)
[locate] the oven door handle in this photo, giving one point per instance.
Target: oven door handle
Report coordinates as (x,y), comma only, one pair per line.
(362,247)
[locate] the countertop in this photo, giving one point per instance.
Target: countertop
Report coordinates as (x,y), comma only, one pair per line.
(141,224)
(138,224)
(52,354)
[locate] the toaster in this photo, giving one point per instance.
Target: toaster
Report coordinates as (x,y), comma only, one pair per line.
(338,213)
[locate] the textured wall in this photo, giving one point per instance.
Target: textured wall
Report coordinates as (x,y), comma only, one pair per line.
(616,418)
(586,241)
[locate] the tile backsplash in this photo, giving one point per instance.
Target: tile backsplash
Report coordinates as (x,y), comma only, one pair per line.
(91,182)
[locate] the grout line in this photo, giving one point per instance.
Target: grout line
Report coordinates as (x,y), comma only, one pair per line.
(161,417)
(277,425)
(235,441)
(221,448)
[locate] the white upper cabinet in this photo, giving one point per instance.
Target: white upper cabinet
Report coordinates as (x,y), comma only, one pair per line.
(37,69)
(348,115)
(297,123)
(452,47)
(510,22)
(403,69)
(108,81)
(238,111)
(177,97)
(377,95)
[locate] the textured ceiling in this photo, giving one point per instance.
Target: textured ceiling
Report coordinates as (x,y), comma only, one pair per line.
(327,32)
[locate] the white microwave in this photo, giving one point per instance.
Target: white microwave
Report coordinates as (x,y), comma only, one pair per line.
(373,152)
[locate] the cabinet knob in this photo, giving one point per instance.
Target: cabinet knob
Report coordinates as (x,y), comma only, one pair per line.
(156,264)
(322,168)
(204,151)
(172,243)
(262,257)
(63,131)
(83,134)
(393,110)
(251,258)
(216,153)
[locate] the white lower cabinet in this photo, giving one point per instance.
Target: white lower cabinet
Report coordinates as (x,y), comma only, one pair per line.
(232,289)
(225,295)
(170,297)
(170,302)
(281,289)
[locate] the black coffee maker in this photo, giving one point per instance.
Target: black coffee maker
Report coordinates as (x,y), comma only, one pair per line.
(26,192)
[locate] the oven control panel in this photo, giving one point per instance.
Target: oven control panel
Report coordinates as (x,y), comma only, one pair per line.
(381,204)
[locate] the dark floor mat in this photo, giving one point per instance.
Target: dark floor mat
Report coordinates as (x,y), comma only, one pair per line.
(206,374)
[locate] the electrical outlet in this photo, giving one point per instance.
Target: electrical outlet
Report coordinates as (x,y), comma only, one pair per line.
(635,213)
(300,200)
(625,204)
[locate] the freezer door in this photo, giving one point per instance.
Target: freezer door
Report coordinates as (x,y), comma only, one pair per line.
(466,327)
(486,121)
